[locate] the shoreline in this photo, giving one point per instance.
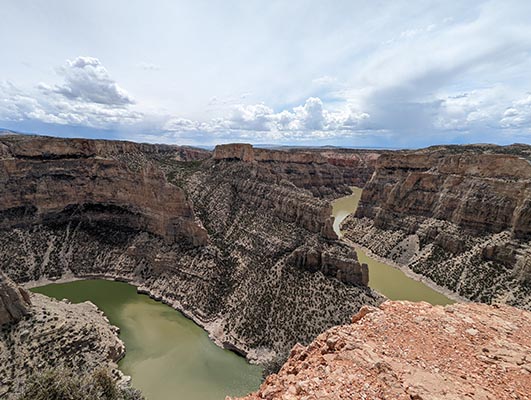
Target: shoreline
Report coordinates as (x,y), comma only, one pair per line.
(357,191)
(406,271)
(210,327)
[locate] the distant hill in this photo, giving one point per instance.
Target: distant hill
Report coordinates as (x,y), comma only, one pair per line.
(5,132)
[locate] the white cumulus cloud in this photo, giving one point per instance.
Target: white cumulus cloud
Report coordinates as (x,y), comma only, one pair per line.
(261,122)
(87,96)
(518,115)
(86,79)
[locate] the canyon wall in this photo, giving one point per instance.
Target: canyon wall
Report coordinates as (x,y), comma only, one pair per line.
(56,181)
(219,238)
(460,216)
(408,351)
(324,172)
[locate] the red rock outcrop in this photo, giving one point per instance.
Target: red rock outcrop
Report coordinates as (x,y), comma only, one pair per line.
(410,351)
(234,151)
(56,181)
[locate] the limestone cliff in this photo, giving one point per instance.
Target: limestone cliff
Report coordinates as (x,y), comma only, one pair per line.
(324,172)
(458,215)
(222,239)
(356,165)
(407,351)
(48,181)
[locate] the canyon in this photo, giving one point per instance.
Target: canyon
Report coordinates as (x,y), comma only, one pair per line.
(241,240)
(222,239)
(166,353)
(459,216)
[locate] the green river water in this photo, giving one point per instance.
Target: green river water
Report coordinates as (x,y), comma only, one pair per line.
(384,278)
(168,356)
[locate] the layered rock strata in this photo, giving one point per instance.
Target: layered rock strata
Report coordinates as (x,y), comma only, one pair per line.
(235,271)
(413,351)
(324,172)
(46,181)
(460,216)
(50,334)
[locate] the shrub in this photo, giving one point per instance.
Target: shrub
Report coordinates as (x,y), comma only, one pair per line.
(63,384)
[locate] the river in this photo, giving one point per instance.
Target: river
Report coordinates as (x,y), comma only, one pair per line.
(168,356)
(385,279)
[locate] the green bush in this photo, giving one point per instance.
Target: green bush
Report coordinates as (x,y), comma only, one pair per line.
(62,384)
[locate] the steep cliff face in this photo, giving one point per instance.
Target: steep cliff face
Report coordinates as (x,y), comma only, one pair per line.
(234,264)
(479,193)
(324,172)
(357,165)
(407,351)
(57,181)
(55,148)
(460,216)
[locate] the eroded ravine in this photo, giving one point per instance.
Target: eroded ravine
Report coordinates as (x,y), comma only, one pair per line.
(168,356)
(386,279)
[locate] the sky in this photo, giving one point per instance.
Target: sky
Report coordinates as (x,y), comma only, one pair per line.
(346,73)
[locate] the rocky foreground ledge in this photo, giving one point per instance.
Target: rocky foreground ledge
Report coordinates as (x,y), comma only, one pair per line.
(404,350)
(39,334)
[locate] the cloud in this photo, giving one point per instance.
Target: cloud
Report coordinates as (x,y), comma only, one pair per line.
(87,97)
(407,85)
(324,80)
(87,80)
(311,115)
(257,117)
(518,115)
(261,122)
(414,72)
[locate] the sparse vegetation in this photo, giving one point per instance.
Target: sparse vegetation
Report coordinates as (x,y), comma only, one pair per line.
(273,366)
(63,384)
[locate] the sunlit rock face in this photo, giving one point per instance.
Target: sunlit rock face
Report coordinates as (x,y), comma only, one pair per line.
(407,351)
(47,181)
(481,193)
(458,215)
